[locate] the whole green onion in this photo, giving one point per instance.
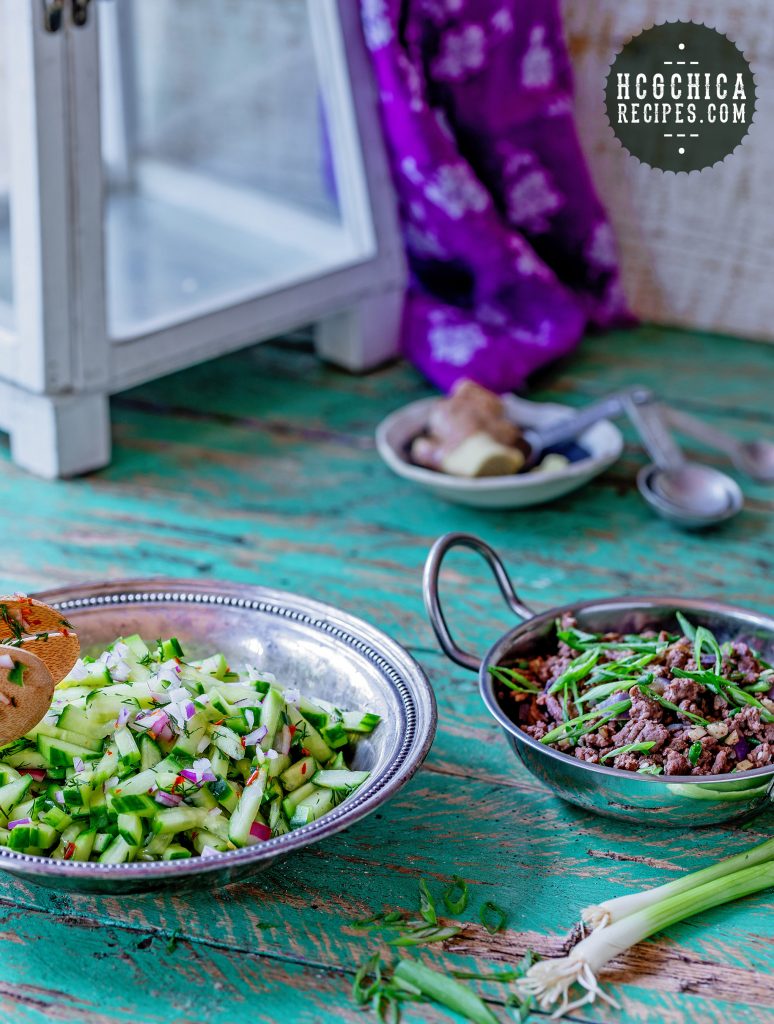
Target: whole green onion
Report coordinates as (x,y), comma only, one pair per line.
(551,980)
(613,910)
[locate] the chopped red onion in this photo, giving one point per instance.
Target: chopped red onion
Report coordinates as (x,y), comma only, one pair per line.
(255,737)
(272,755)
(209,851)
(189,709)
(250,717)
(260,831)
(191,776)
(19,821)
(292,696)
(6,661)
(202,745)
(178,693)
(167,799)
(123,716)
(742,748)
(79,765)
(38,774)
(59,797)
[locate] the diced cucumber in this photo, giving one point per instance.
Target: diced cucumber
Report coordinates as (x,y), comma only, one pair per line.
(216,665)
(150,752)
(308,736)
(247,808)
(175,852)
(76,720)
(60,752)
(140,804)
(13,793)
(7,774)
(73,738)
(299,773)
(225,792)
(171,820)
(292,799)
(341,781)
(228,741)
(169,649)
(128,751)
(335,736)
(83,844)
(56,817)
(358,721)
(311,808)
(29,757)
(118,852)
(272,707)
(313,713)
(40,834)
(130,828)
(137,646)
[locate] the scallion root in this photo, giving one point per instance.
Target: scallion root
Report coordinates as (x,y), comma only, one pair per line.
(550,980)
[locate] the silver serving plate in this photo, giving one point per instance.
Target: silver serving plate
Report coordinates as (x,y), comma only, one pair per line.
(671,801)
(306,644)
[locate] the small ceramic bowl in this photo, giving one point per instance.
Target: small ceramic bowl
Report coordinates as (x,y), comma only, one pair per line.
(598,447)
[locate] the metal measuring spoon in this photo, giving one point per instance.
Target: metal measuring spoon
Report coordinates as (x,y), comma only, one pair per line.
(689,494)
(541,439)
(755,458)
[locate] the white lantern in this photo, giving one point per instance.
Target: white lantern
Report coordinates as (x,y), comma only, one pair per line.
(179,178)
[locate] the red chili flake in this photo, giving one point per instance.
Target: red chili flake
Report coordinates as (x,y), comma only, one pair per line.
(253,777)
(116,790)
(64,631)
(304,751)
(292,729)
(242,741)
(69,851)
(303,768)
(179,781)
(220,721)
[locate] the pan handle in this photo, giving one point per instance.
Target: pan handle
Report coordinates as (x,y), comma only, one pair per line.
(437,553)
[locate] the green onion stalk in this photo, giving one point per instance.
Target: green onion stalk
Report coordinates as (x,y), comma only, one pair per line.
(550,981)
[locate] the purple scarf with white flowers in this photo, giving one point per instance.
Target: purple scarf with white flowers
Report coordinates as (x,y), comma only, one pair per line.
(511,253)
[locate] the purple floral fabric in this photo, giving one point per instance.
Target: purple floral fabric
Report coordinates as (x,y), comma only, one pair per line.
(510,251)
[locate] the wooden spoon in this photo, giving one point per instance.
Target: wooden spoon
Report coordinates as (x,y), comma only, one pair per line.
(26,690)
(37,638)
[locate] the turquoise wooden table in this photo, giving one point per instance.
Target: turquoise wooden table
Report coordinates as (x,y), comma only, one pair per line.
(261,468)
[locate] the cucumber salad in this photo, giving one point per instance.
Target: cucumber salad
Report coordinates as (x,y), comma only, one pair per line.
(145,755)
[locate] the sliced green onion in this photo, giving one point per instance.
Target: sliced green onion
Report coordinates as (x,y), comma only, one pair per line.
(670,706)
(596,716)
(689,630)
(650,769)
(578,669)
(551,980)
(425,936)
(706,638)
(427,903)
(444,990)
(630,748)
(492,917)
(456,904)
(363,990)
(513,680)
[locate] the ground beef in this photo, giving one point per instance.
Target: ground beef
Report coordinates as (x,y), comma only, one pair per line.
(689,728)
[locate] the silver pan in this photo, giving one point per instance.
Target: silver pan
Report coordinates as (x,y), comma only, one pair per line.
(308,645)
(668,801)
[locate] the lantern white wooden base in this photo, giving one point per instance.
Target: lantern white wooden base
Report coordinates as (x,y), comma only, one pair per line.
(58,436)
(363,336)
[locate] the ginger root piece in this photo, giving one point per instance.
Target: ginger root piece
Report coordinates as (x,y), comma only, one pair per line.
(469,434)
